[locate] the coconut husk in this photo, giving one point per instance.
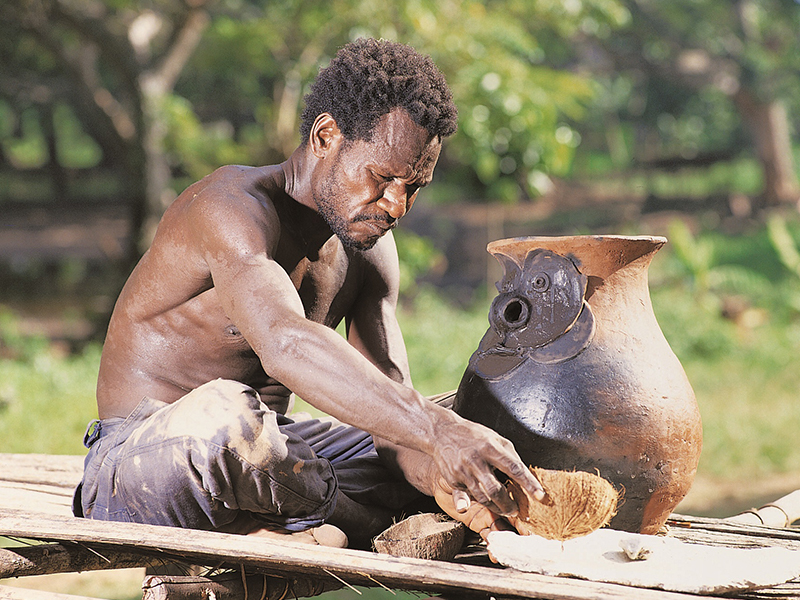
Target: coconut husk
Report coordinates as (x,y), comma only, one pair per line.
(427,535)
(577,503)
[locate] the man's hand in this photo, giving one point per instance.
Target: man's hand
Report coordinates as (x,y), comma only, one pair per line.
(468,455)
(475,516)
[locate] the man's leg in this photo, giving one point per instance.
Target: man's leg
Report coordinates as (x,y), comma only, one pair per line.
(204,459)
(371,497)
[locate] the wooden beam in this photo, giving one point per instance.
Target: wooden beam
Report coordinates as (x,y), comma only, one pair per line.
(46,559)
(293,559)
(232,586)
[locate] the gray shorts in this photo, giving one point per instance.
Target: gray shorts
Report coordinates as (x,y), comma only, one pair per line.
(219,450)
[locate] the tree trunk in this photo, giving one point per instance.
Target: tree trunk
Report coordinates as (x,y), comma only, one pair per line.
(158,194)
(769,125)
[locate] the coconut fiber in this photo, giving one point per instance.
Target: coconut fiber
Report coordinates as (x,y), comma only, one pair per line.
(577,503)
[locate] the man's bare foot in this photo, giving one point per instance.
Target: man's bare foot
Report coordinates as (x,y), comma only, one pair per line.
(325,535)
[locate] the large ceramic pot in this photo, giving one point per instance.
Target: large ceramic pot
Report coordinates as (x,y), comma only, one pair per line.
(576,372)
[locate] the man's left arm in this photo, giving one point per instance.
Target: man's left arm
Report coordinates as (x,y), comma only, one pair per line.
(372,329)
(372,326)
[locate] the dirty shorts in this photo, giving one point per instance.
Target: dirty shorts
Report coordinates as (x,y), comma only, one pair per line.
(219,450)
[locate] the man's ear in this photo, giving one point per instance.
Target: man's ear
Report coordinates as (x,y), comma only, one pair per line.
(325,134)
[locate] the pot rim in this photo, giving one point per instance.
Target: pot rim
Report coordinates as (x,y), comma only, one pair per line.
(600,237)
(593,254)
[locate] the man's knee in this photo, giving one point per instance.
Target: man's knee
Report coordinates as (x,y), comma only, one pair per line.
(222,398)
(213,409)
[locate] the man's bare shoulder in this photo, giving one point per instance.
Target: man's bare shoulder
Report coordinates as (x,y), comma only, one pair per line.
(233,190)
(232,206)
(225,214)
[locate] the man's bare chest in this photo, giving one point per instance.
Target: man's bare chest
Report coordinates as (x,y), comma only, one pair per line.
(326,290)
(327,283)
(198,337)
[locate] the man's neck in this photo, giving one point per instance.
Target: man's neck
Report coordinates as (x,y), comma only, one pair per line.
(304,220)
(297,177)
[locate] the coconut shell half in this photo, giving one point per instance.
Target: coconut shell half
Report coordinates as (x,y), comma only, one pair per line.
(577,503)
(428,535)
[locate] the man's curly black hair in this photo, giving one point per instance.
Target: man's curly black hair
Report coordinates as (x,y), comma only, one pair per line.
(368,78)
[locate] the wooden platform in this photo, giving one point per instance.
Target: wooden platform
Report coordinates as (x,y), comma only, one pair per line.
(35,499)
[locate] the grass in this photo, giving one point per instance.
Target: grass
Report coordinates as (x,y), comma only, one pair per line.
(729,306)
(46,400)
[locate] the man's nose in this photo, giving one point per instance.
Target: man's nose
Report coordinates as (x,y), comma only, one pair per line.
(394,200)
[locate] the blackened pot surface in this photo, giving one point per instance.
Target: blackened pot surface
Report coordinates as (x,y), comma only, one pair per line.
(587,381)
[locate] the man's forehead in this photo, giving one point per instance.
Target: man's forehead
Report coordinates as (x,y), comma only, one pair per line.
(407,148)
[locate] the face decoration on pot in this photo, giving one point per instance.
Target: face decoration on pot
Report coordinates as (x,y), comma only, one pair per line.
(540,313)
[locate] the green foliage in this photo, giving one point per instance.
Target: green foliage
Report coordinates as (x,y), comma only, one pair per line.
(27,148)
(695,330)
(13,343)
(440,339)
(513,105)
(784,244)
(693,78)
(738,339)
(503,60)
(46,398)
(715,287)
(418,257)
(76,149)
(728,306)
(195,147)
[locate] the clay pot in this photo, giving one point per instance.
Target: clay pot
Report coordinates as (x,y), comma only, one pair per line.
(576,372)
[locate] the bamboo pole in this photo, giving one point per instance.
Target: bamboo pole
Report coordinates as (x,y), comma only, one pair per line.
(781,513)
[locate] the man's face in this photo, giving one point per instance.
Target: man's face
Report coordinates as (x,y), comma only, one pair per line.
(370,185)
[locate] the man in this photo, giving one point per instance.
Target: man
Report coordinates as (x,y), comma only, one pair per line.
(233,308)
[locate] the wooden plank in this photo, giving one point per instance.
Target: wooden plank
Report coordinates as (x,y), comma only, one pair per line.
(13,593)
(350,566)
(720,532)
(36,498)
(52,469)
(39,482)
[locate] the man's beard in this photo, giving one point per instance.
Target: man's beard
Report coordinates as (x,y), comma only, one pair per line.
(326,205)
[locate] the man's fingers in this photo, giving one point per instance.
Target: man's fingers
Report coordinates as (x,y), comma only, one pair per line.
(473,468)
(516,470)
(484,488)
(461,500)
(498,525)
(498,497)
(530,484)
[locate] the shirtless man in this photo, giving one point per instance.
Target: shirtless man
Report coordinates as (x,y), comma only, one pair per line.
(234,307)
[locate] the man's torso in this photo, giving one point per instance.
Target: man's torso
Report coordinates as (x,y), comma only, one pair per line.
(169,333)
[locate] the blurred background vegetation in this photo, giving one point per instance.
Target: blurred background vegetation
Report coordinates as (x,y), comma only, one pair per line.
(576,116)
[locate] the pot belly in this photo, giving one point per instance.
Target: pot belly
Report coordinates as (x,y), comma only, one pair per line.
(592,414)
